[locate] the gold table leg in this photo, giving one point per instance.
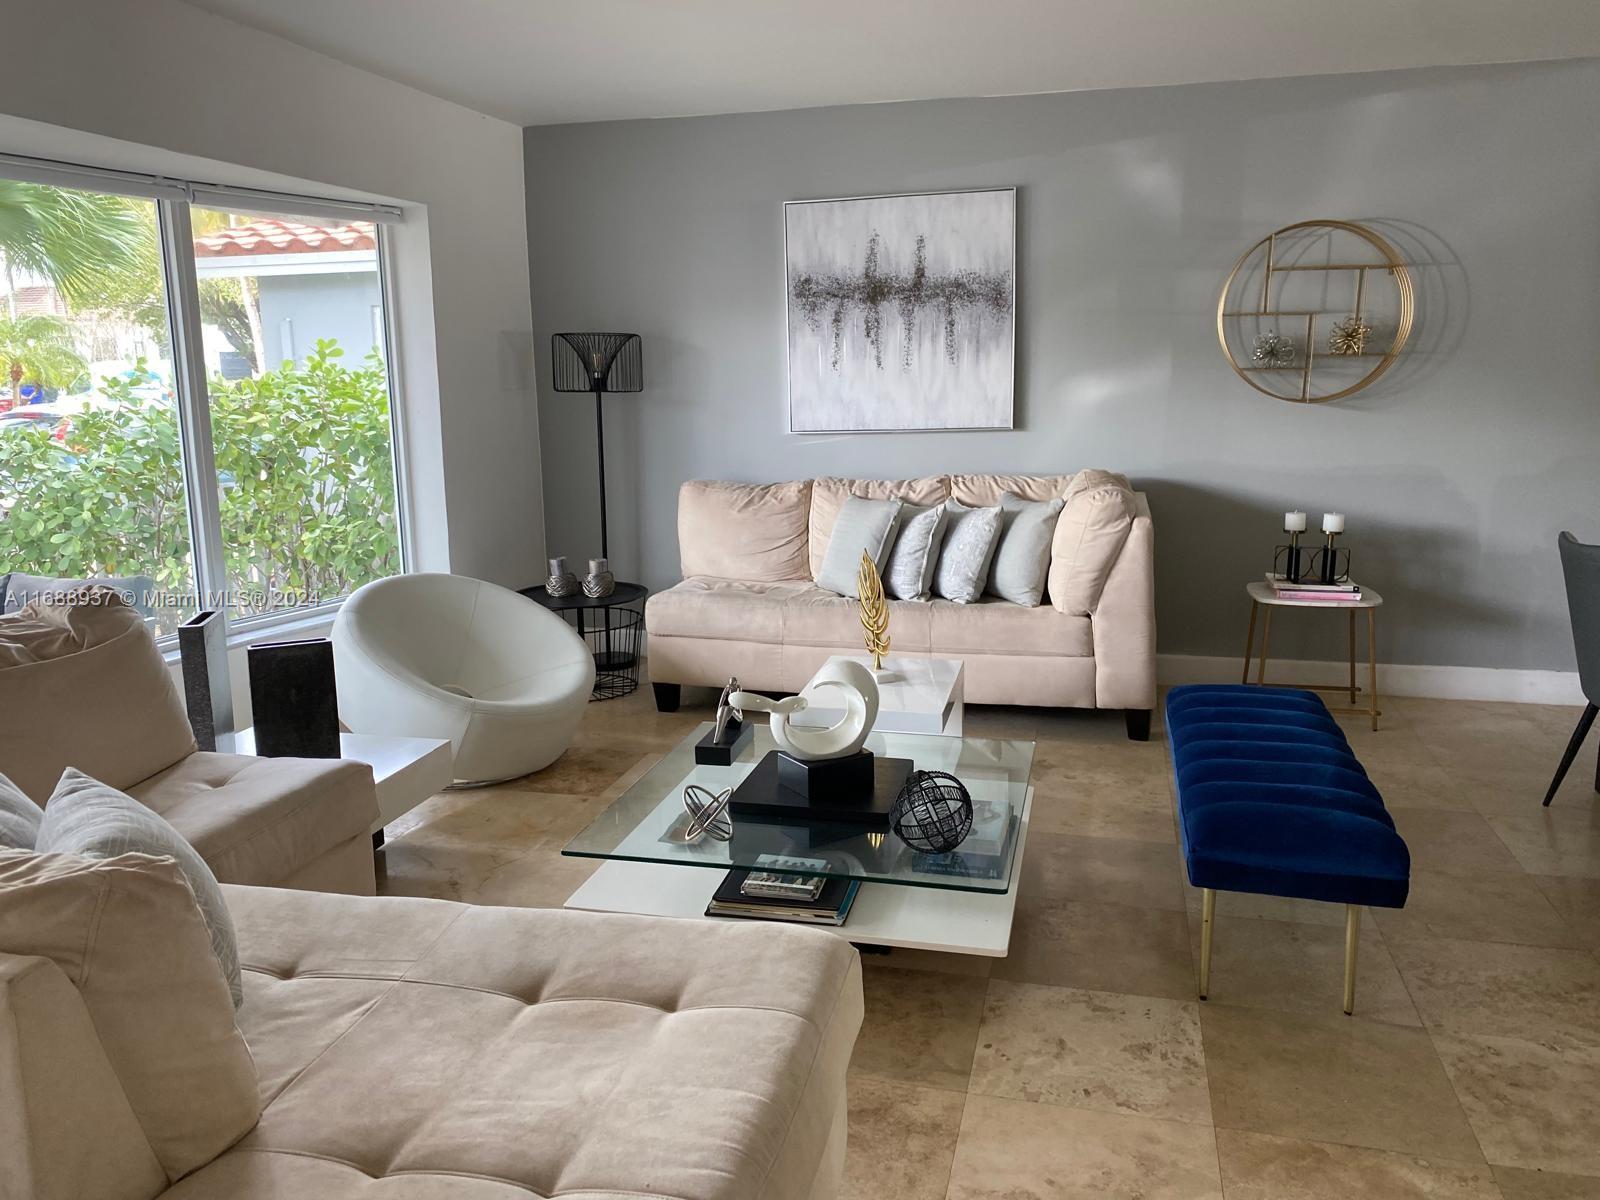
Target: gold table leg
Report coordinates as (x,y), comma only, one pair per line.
(1372,664)
(1208,920)
(1352,658)
(1266,634)
(1250,641)
(1352,939)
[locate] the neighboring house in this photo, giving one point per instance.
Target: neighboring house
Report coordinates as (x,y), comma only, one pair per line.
(314,281)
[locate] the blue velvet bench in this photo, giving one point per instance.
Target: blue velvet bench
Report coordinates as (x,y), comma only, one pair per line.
(1272,800)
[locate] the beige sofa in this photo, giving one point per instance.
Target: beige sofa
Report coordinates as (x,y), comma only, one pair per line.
(83,685)
(748,605)
(436,1051)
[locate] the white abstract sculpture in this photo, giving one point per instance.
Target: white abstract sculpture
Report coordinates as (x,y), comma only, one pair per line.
(858,693)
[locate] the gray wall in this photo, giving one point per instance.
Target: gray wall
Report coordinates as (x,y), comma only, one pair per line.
(1455,473)
(337,306)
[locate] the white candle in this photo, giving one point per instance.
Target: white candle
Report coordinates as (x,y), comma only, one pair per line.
(1332,522)
(1294,522)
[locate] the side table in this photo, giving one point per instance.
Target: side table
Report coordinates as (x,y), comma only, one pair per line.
(1263,599)
(612,630)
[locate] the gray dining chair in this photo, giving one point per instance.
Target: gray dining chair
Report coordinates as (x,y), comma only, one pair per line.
(1581,565)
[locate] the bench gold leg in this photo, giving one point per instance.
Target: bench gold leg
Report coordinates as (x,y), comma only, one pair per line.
(1208,920)
(1352,938)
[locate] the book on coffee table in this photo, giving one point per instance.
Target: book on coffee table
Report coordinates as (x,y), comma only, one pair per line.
(785,877)
(830,907)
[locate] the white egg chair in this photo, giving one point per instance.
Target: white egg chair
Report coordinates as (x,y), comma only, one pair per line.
(450,657)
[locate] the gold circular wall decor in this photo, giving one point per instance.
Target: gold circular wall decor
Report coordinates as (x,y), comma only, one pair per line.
(1299,320)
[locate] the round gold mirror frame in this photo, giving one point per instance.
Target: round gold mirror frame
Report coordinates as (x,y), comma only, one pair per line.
(1390,265)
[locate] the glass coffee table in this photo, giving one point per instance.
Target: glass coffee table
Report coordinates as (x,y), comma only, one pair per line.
(961,902)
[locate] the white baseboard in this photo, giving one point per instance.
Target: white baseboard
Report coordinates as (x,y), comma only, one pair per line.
(1397,679)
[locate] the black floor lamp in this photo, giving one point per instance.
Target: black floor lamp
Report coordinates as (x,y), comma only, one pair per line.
(598,363)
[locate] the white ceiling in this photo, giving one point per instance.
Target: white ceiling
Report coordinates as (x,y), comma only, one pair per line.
(548,61)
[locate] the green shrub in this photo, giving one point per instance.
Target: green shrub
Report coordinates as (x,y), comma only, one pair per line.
(307,486)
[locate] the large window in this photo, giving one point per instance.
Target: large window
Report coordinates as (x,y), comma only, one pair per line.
(196,402)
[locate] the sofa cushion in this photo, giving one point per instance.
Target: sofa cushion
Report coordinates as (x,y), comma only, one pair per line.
(1089,536)
(818,618)
(828,496)
(743,530)
(994,626)
(19,818)
(512,1051)
(87,818)
(1027,528)
(128,934)
(863,527)
(969,545)
(81,662)
(984,491)
(915,557)
(259,820)
(728,609)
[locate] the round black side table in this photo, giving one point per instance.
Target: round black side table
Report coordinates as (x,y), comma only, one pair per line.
(612,631)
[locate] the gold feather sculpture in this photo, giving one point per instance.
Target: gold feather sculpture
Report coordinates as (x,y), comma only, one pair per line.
(874,611)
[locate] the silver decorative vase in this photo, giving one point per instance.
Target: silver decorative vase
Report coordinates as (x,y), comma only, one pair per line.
(599,581)
(562,582)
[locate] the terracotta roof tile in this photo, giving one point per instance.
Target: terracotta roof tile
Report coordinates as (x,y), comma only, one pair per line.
(272,235)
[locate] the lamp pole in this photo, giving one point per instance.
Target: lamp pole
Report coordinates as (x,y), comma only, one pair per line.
(600,443)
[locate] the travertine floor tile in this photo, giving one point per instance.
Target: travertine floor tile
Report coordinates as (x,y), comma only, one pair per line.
(920,1027)
(1487,907)
(1516,1183)
(1533,1102)
(1499,989)
(1295,967)
(1100,1050)
(1332,1079)
(1061,867)
(1257,1166)
(902,1139)
(1014,1150)
(1552,841)
(1102,947)
(1578,902)
(1452,841)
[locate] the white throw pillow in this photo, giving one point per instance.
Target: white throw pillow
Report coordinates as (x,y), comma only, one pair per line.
(1023,556)
(89,819)
(915,557)
(969,544)
(864,527)
(19,818)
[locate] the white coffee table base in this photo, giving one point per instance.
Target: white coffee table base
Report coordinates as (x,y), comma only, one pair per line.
(920,695)
(884,914)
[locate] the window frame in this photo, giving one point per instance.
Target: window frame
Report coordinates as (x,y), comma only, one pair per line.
(174,201)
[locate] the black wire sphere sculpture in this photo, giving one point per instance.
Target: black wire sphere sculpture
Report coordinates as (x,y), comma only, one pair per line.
(933,812)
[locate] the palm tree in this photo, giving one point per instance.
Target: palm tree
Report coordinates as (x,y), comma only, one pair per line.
(38,350)
(69,237)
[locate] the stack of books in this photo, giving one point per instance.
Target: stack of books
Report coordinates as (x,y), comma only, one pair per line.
(780,888)
(1284,589)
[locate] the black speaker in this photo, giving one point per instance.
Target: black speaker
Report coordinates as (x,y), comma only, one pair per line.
(293,698)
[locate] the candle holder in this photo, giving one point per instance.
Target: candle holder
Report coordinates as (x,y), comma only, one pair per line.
(1291,561)
(1330,563)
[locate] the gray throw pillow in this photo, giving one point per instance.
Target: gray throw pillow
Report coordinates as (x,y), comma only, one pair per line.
(1023,556)
(19,817)
(969,544)
(88,818)
(909,575)
(863,526)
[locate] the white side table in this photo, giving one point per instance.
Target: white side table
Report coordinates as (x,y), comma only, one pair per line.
(406,770)
(1264,598)
(925,695)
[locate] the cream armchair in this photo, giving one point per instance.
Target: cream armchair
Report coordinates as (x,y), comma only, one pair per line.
(450,657)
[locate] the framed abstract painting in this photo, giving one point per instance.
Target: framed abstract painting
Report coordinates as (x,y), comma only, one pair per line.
(901,311)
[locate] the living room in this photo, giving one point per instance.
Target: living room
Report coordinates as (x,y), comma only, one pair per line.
(529,504)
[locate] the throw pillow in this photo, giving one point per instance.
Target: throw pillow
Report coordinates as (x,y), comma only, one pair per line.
(87,818)
(915,557)
(864,526)
(128,935)
(1023,556)
(1089,536)
(969,544)
(19,818)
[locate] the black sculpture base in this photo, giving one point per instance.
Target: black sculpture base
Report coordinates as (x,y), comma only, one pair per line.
(708,752)
(858,790)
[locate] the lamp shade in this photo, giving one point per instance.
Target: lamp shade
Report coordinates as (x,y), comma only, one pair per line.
(591,362)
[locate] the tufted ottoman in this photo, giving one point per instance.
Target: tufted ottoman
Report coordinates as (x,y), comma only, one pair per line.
(421,1049)
(1272,800)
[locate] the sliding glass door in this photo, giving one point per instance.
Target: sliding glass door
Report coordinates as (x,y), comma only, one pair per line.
(195,402)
